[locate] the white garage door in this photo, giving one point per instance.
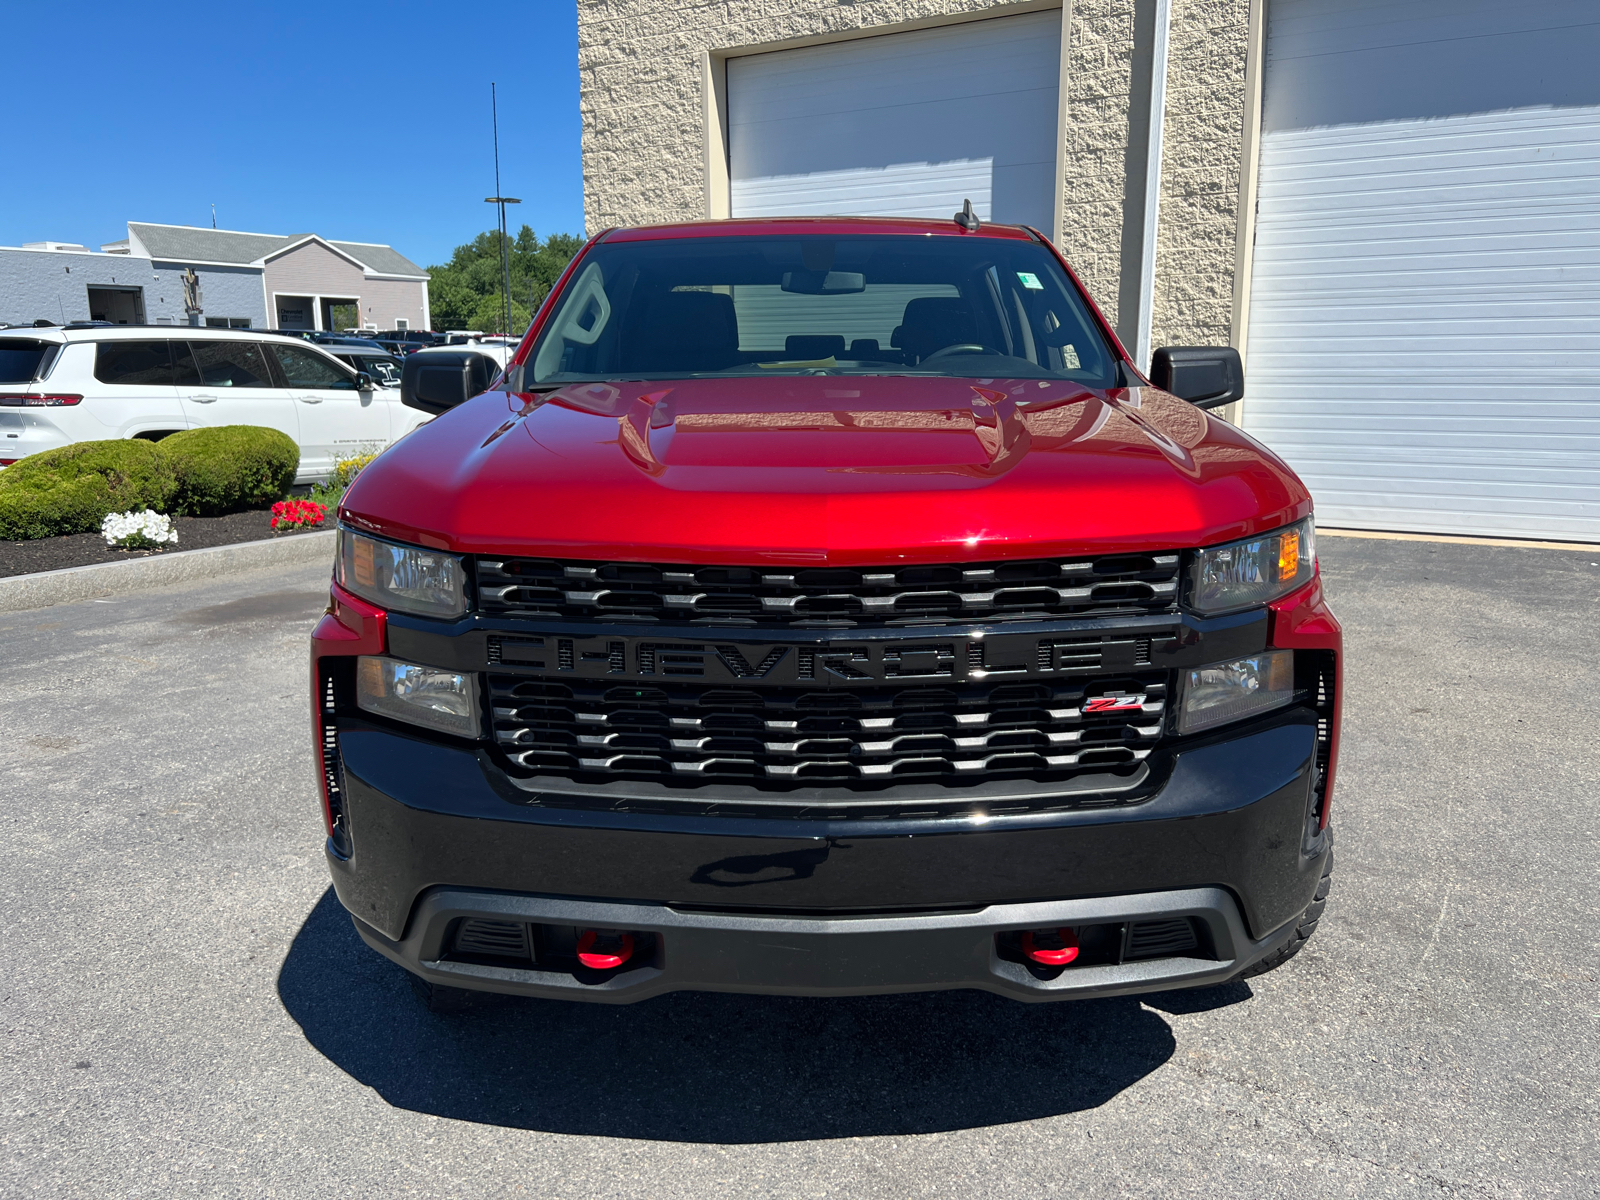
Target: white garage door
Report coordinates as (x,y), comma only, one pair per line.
(904,124)
(1425,314)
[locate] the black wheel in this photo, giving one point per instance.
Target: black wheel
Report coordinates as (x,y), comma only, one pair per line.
(1304,927)
(439,998)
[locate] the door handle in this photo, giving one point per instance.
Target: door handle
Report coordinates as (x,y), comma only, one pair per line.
(204,399)
(310,399)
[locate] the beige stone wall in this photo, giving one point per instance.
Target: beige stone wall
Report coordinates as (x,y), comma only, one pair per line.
(639,71)
(644,139)
(1099,83)
(1202,140)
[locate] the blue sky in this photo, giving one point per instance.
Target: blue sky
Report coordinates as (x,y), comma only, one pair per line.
(364,123)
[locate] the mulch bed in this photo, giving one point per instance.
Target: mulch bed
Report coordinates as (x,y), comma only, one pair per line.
(81,549)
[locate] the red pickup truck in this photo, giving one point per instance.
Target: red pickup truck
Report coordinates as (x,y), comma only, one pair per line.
(826,607)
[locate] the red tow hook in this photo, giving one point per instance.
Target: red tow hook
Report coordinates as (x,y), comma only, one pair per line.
(1050,947)
(616,949)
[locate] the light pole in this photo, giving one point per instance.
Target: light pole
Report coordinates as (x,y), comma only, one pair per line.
(502,201)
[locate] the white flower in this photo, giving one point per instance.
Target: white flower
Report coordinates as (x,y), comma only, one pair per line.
(136,529)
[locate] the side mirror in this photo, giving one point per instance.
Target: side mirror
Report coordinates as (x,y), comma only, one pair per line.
(363,382)
(437,382)
(1205,376)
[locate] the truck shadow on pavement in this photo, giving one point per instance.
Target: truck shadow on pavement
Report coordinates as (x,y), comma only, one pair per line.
(702,1067)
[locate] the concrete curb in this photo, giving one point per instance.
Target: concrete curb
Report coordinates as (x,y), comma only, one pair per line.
(45,588)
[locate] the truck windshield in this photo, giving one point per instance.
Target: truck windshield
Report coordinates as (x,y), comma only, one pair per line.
(902,304)
(20,359)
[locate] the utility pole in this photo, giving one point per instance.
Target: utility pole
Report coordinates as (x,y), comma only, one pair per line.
(502,201)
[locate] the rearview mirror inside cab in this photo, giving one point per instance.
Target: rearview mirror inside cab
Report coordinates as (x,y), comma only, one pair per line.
(437,381)
(824,283)
(1205,376)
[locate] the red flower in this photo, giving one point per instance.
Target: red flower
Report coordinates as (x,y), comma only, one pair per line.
(298,514)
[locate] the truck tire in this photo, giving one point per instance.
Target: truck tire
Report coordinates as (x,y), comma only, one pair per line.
(438,997)
(1304,927)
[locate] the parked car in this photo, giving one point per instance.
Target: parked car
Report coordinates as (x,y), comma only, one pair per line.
(384,367)
(827,607)
(59,386)
(408,341)
(344,339)
(496,355)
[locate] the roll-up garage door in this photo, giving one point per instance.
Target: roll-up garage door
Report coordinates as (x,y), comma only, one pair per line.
(1424,339)
(902,124)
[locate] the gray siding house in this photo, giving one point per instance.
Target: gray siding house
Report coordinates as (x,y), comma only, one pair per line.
(247,280)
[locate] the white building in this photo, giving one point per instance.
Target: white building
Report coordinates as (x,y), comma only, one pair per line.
(1393,210)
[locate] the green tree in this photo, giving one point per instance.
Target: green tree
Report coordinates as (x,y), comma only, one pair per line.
(467,292)
(490,314)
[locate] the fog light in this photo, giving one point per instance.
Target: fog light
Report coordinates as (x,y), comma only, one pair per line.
(1231,691)
(438,699)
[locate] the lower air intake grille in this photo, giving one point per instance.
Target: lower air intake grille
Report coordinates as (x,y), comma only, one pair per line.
(492,939)
(1161,939)
(779,737)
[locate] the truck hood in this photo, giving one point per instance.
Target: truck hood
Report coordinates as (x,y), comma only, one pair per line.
(824,470)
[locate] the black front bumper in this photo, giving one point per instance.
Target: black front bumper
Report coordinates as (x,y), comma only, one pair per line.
(824,907)
(829,956)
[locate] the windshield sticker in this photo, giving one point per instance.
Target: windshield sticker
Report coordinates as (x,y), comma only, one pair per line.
(1031,282)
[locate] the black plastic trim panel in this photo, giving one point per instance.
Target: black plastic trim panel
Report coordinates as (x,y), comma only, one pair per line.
(828,956)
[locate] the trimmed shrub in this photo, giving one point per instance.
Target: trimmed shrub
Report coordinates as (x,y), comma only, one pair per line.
(72,488)
(227,468)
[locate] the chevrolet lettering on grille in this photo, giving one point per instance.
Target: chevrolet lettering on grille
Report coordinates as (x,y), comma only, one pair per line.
(971,657)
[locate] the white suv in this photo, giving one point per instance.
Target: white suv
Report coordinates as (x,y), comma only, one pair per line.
(59,386)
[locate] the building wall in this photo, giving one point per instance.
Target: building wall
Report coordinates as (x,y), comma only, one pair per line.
(314,270)
(1095,198)
(382,300)
(233,292)
(642,99)
(53,285)
(1203,135)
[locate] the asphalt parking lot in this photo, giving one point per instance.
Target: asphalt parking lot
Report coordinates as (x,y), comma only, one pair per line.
(186,1012)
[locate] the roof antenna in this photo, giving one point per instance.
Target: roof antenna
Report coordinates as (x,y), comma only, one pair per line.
(213,216)
(967,219)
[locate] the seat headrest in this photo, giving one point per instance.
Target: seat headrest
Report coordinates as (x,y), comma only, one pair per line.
(814,345)
(683,331)
(933,322)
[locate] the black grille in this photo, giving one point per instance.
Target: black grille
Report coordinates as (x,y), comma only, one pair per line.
(795,736)
(1161,939)
(827,597)
(479,936)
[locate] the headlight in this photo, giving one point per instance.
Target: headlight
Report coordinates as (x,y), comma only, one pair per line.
(1231,691)
(408,579)
(442,700)
(1245,574)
